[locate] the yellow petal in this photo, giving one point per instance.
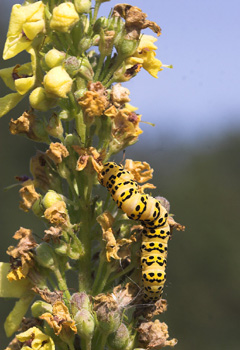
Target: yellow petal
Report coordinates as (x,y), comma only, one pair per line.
(8,102)
(146,42)
(13,289)
(6,75)
(14,319)
(152,64)
(23,85)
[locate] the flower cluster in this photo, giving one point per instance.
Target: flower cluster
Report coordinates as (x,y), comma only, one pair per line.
(80,111)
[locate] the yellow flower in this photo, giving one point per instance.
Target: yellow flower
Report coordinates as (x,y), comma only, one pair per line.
(21,79)
(26,23)
(145,56)
(57,82)
(64,17)
(37,339)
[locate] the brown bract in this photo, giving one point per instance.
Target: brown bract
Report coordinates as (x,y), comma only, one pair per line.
(154,335)
(141,171)
(112,245)
(53,233)
(57,214)
(135,20)
(21,255)
(28,195)
(57,152)
(87,155)
(119,95)
(24,125)
(48,296)
(60,319)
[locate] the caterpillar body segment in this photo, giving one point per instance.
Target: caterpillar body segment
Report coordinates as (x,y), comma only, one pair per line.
(154,218)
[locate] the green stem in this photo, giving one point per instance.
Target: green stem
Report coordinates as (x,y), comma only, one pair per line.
(103,272)
(103,339)
(84,264)
(99,67)
(106,65)
(62,284)
(96,9)
(115,66)
(86,344)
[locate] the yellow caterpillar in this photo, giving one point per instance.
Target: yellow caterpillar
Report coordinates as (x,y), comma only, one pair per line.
(153,216)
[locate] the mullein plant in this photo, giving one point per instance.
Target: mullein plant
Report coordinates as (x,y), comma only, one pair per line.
(79,109)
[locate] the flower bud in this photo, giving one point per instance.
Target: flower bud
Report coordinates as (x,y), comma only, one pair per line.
(72,65)
(65,115)
(126,47)
(100,24)
(119,339)
(57,82)
(84,44)
(82,6)
(80,301)
(106,42)
(109,321)
(39,100)
(54,127)
(85,323)
(54,58)
(50,198)
(37,208)
(86,70)
(45,256)
(40,307)
(61,248)
(64,17)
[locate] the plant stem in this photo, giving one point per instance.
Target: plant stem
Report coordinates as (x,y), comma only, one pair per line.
(103,272)
(99,67)
(62,284)
(86,344)
(96,9)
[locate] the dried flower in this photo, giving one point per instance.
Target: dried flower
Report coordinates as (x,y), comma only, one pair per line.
(60,319)
(141,171)
(57,214)
(154,335)
(28,195)
(112,245)
(57,152)
(86,155)
(29,125)
(22,258)
(119,95)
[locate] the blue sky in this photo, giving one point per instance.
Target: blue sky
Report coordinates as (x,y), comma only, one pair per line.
(200,95)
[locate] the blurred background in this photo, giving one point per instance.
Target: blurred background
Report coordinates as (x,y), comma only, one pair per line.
(194,149)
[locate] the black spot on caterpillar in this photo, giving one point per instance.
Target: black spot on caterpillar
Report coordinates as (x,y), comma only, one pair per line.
(154,218)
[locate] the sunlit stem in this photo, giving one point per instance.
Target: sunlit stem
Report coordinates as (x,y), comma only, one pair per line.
(96,9)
